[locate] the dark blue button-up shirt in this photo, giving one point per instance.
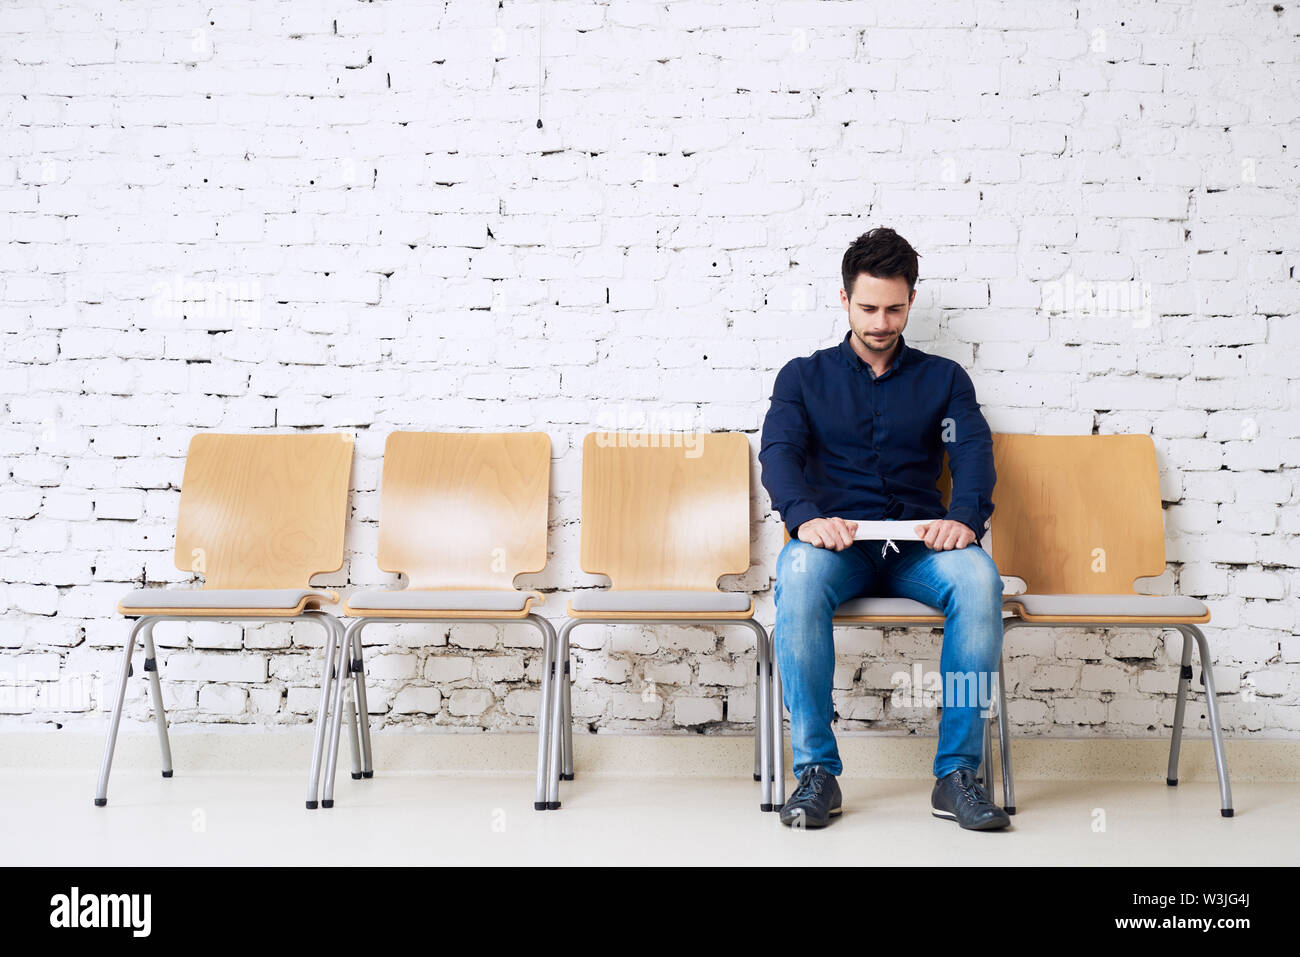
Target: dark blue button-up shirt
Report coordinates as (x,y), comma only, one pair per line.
(841,441)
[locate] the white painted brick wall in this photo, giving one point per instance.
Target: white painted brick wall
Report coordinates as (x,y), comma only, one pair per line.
(343,216)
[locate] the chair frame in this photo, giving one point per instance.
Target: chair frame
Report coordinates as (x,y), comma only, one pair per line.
(1135,480)
(351,638)
(768,762)
(1190,634)
(694,565)
(398,555)
(143,627)
(213,460)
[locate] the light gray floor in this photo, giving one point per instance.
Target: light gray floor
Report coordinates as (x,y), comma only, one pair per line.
(47,817)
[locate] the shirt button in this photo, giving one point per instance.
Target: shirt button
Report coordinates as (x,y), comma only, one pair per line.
(877,412)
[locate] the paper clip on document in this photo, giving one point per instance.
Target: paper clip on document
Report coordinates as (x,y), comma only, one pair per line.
(888,531)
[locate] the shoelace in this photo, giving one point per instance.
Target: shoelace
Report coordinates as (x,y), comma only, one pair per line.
(808,781)
(971,791)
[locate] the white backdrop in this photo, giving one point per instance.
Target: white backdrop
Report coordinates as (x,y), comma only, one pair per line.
(344,216)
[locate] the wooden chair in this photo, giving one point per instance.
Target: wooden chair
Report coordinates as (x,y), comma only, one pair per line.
(461,515)
(1078,518)
(664,516)
(259,516)
(876,611)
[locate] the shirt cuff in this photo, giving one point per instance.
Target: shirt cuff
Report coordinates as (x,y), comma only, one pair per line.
(803,512)
(968,517)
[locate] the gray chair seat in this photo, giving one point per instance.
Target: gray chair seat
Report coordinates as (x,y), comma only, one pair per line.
(216,599)
(435,599)
(886,607)
(659,601)
(1108,606)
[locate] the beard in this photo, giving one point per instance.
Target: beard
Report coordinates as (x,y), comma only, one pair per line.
(878,345)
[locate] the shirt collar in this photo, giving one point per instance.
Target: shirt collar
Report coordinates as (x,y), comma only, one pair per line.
(855,361)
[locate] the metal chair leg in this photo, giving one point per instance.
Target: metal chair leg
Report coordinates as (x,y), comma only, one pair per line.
(335,723)
(762,723)
(762,720)
(566,723)
(561,676)
(1212,708)
(1004,742)
(1180,709)
(353,737)
(763,717)
(115,721)
(986,762)
(322,711)
(778,732)
(759,715)
(358,668)
(346,715)
(155,690)
(544,730)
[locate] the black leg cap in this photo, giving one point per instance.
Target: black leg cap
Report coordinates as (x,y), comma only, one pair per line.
(1226,812)
(566,777)
(329,803)
(356,775)
(552,805)
(1011,809)
(539,805)
(100,802)
(367,774)
(765,807)
(311,805)
(167,774)
(1172,782)
(758,777)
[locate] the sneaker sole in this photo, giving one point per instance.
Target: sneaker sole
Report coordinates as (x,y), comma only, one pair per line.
(994,825)
(813,825)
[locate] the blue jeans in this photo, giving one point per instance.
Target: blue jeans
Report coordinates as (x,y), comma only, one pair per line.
(812,582)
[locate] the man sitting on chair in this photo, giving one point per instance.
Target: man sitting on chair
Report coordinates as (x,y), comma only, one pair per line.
(858,432)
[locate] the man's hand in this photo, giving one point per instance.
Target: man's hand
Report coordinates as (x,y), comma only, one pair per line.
(832,533)
(944,534)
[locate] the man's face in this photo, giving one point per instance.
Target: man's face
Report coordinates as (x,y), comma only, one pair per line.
(877,311)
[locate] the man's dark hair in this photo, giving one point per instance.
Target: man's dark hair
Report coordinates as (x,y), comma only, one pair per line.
(882,253)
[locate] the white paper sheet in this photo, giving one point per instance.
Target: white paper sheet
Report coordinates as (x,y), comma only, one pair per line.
(884,531)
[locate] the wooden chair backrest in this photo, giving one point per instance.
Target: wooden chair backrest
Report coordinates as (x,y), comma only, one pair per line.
(263,511)
(464,510)
(665,511)
(1077,514)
